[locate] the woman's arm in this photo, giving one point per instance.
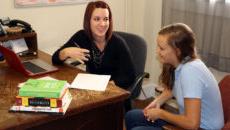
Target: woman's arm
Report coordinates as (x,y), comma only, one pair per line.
(71,49)
(190,119)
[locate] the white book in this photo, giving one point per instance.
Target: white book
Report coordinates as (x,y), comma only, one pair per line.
(59,110)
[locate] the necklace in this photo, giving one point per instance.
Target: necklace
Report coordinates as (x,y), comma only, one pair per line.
(97,56)
(100,45)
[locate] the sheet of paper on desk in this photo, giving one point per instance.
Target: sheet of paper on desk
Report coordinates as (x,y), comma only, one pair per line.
(90,82)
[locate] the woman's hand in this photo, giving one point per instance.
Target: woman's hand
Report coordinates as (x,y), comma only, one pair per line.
(79,54)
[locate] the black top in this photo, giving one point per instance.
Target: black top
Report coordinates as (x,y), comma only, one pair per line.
(115,60)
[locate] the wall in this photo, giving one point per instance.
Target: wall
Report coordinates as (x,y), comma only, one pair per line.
(55,24)
(144,19)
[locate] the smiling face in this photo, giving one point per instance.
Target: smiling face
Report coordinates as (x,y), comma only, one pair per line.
(166,53)
(99,23)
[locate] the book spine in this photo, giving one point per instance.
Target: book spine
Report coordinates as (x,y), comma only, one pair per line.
(37,109)
(25,101)
(49,102)
(58,110)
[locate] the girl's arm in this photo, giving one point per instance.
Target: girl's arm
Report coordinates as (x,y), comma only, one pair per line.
(190,119)
(158,101)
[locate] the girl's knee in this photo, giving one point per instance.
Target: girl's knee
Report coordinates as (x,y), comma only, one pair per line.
(146,128)
(136,113)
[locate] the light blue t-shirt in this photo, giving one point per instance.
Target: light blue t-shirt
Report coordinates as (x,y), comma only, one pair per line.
(194,80)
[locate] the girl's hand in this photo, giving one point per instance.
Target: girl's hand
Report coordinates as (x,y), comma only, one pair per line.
(79,54)
(153,104)
(153,114)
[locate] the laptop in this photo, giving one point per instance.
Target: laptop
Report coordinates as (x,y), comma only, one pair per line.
(32,67)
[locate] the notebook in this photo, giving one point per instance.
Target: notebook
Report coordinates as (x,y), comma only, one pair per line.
(30,67)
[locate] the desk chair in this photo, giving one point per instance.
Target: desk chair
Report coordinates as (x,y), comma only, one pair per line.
(138,49)
(224,86)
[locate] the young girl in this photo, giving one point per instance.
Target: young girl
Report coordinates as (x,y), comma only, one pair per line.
(185,77)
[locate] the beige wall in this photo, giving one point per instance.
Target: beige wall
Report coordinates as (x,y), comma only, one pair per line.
(144,18)
(55,24)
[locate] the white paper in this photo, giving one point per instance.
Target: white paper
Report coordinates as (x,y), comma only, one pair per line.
(90,82)
(19,45)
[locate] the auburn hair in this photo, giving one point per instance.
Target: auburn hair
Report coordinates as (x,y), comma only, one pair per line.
(88,14)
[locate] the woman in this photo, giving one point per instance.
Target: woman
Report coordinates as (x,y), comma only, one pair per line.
(102,51)
(185,77)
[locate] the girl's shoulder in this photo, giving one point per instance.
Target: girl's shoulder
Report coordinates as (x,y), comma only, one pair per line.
(194,66)
(194,63)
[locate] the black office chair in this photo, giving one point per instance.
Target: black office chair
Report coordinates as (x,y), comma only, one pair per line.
(138,48)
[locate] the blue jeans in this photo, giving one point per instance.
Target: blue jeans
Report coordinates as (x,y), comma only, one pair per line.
(135,120)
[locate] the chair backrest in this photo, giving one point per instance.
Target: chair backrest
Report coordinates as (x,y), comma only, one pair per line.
(138,49)
(224,85)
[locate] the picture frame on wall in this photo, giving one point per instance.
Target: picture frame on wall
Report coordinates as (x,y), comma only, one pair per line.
(29,3)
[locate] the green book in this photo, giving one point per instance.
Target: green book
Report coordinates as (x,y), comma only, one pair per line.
(43,88)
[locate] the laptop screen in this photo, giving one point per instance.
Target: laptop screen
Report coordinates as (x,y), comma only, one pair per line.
(30,68)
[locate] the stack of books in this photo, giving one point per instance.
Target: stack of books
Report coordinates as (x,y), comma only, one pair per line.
(37,95)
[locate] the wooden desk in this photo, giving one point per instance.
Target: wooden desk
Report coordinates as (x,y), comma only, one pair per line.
(89,110)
